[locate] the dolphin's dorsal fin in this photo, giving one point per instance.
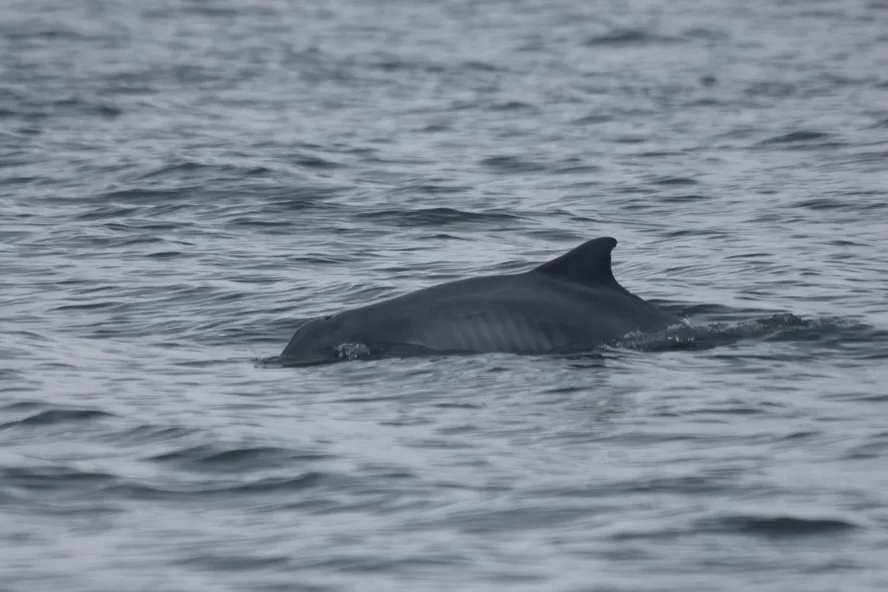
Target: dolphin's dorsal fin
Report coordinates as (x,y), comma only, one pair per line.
(589,263)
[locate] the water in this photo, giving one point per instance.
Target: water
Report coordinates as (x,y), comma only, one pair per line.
(184,182)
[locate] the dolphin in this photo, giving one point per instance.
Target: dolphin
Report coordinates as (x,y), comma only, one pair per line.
(568,304)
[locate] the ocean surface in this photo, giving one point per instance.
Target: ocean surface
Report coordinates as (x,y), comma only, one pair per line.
(182,183)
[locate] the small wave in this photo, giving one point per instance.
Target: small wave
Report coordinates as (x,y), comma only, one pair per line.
(514,106)
(52,417)
(628,37)
(20,406)
(686,198)
(200,170)
(145,434)
(437,217)
(797,137)
(216,458)
(153,490)
(512,164)
(666,181)
(143,197)
(53,477)
(775,327)
(268,362)
(778,526)
(851,203)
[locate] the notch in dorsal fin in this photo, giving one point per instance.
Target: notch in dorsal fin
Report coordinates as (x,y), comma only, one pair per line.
(589,263)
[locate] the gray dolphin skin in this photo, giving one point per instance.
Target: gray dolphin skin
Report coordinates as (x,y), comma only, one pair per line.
(568,304)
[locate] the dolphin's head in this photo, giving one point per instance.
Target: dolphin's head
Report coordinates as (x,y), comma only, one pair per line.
(318,341)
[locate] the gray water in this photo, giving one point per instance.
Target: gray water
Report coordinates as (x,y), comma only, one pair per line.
(182,183)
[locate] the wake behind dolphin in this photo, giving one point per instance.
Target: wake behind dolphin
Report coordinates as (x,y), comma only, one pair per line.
(568,304)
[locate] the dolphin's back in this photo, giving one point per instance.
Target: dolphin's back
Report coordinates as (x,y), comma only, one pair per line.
(523,313)
(504,327)
(572,302)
